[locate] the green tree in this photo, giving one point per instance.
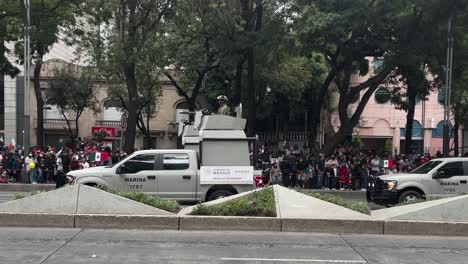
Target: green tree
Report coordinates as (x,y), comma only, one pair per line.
(49,18)
(73,90)
(381,31)
(195,45)
(9,32)
(131,29)
(459,94)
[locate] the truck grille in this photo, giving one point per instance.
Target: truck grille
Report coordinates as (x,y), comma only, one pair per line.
(380,185)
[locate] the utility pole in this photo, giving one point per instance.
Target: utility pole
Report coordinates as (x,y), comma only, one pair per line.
(448,87)
(27,66)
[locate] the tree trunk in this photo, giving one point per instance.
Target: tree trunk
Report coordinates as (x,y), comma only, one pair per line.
(251,99)
(315,108)
(148,132)
(39,104)
(335,141)
(130,132)
(409,122)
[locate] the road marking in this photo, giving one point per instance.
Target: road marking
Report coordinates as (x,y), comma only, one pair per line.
(297,260)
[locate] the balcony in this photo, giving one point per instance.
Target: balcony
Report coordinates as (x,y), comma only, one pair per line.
(108,123)
(51,123)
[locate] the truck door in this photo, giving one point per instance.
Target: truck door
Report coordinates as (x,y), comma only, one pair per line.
(137,174)
(453,182)
(177,177)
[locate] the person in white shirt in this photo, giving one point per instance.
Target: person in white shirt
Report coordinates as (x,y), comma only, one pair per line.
(31,172)
(84,164)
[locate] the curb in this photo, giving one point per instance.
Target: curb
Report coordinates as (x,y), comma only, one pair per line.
(126,222)
(333,226)
(230,223)
(37,220)
(426,228)
(233,223)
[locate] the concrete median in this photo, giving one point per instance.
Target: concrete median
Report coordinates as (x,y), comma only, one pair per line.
(237,223)
(37,220)
(425,228)
(24,187)
(127,222)
(332,226)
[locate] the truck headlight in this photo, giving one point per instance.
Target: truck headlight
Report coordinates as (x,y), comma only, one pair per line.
(391,185)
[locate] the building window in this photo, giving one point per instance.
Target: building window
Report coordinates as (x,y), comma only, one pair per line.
(417,130)
(382,95)
(438,132)
(112,114)
(53,112)
(441,96)
(377,65)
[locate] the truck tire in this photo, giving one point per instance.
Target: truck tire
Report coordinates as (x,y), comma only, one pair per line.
(409,196)
(218,194)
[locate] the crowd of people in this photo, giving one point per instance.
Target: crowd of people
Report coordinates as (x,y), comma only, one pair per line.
(50,165)
(343,170)
(289,166)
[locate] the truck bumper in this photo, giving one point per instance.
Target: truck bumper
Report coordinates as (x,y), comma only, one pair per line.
(382,197)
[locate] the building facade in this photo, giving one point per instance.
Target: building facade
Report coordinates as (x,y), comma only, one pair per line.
(381,122)
(163,127)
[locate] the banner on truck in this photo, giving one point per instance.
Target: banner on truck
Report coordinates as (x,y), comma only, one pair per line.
(226,175)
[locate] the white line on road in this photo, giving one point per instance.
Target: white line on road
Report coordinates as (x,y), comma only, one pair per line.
(297,260)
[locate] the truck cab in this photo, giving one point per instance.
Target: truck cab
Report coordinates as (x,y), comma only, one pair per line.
(437,178)
(214,163)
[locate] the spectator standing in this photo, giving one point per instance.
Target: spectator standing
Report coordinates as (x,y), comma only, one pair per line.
(375,166)
(344,180)
(275,174)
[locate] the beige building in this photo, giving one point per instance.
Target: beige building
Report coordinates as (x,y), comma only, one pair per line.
(163,126)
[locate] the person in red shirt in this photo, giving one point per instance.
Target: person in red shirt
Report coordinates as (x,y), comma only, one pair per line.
(344,176)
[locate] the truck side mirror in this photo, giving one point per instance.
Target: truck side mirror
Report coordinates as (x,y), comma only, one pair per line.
(121,169)
(440,175)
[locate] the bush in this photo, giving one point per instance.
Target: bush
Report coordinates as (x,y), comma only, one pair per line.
(260,203)
(361,207)
(151,200)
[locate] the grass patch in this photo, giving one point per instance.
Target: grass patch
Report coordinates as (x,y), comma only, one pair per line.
(151,200)
(260,203)
(361,207)
(24,195)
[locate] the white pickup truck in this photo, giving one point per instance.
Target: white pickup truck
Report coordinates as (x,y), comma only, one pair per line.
(170,174)
(437,178)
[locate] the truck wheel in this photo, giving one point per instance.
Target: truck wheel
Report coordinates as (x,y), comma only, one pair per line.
(219,194)
(409,196)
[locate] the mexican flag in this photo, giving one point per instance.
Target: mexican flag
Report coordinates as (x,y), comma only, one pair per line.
(98,156)
(94,157)
(386,163)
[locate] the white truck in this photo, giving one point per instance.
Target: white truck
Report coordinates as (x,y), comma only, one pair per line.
(215,164)
(437,178)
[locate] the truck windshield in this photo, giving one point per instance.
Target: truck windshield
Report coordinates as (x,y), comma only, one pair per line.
(427,167)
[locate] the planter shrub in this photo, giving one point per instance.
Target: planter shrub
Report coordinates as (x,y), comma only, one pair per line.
(259,203)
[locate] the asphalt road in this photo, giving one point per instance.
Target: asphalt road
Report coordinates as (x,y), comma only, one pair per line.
(37,245)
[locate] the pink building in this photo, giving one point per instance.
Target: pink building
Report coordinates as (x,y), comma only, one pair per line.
(382,122)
